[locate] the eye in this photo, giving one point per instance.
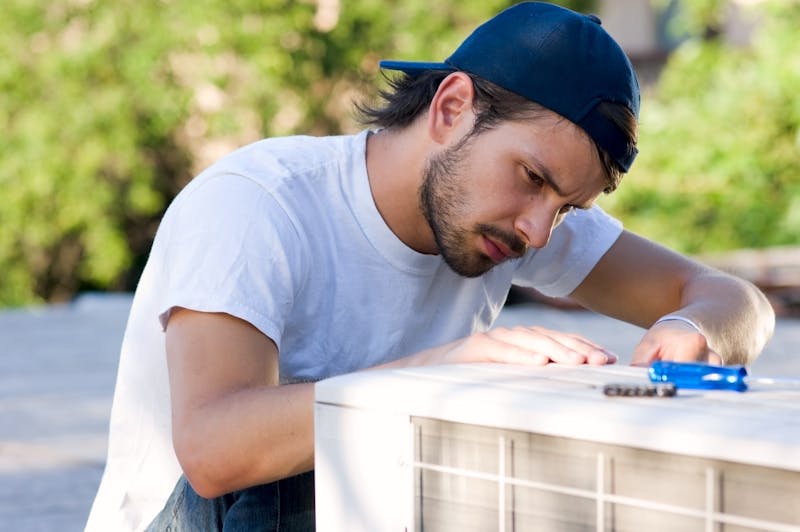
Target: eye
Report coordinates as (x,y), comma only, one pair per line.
(534,178)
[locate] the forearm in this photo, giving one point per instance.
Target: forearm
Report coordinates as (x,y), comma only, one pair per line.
(734,315)
(248,437)
(639,281)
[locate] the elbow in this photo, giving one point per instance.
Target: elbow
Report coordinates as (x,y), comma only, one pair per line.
(199,464)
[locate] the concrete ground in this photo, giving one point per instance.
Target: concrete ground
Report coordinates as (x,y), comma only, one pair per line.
(57,372)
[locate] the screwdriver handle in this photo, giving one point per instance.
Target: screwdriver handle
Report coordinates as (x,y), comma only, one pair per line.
(698,376)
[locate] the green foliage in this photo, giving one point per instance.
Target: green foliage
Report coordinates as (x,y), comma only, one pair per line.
(694,17)
(719,167)
(109,107)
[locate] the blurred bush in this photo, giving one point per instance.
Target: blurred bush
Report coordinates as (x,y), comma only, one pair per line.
(719,167)
(108,108)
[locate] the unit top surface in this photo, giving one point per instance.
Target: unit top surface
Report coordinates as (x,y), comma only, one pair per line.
(760,426)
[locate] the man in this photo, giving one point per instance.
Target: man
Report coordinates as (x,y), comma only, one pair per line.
(297,259)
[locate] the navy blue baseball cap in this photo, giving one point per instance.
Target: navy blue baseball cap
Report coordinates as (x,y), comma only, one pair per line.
(555,57)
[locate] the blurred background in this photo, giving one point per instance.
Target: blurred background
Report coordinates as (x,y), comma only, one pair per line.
(108,108)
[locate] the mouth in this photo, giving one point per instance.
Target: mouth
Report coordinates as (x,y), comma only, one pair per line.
(497,251)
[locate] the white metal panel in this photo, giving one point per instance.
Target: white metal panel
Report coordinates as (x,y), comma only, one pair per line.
(363,470)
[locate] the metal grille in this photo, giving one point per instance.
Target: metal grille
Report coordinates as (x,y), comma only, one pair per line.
(469,477)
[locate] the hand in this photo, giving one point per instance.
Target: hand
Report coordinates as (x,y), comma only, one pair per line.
(676,341)
(519,345)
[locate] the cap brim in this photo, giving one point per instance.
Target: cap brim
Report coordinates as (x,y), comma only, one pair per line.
(413,67)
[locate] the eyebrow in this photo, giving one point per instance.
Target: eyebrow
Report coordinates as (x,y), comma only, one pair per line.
(545,174)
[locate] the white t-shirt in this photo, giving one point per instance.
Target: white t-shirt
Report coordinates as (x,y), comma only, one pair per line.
(284,234)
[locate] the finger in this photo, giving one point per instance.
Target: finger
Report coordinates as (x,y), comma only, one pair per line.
(592,352)
(507,353)
(485,347)
(558,347)
(644,354)
(673,341)
(714,358)
(538,341)
(601,359)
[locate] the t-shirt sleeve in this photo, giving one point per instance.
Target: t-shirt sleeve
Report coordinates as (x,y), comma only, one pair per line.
(575,247)
(231,248)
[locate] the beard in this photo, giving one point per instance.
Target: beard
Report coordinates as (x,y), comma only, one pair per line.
(443,198)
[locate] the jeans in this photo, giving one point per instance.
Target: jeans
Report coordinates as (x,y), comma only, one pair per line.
(283,506)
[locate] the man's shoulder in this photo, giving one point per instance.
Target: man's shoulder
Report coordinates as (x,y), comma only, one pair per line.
(276,158)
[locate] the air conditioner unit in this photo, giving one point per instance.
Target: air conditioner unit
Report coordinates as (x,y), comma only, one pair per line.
(506,448)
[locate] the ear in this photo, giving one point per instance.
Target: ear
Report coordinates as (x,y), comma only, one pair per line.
(450,112)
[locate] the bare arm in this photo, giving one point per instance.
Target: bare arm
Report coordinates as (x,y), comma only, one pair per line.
(234,427)
(639,281)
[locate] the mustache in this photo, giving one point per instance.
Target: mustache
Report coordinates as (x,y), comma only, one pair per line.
(514,243)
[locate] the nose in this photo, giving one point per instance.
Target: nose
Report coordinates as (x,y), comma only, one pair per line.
(535,225)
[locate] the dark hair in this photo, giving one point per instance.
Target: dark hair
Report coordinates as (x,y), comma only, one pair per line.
(408,97)
(625,120)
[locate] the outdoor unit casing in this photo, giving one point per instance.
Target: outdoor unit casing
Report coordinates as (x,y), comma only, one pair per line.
(507,448)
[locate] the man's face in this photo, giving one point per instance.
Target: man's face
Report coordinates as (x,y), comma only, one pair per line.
(489,197)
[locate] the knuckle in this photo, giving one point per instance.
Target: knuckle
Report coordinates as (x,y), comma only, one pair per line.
(701,342)
(481,337)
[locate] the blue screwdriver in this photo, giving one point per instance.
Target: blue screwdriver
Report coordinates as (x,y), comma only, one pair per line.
(697,376)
